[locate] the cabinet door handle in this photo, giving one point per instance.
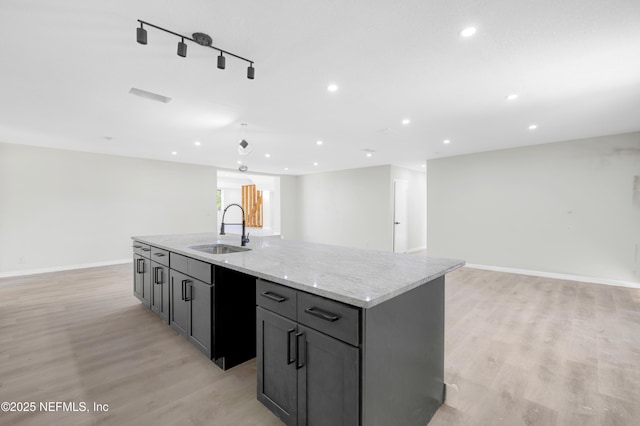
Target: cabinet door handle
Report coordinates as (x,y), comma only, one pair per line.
(187,284)
(327,316)
(157,278)
(273,296)
(140,266)
(161,275)
(289,359)
(300,359)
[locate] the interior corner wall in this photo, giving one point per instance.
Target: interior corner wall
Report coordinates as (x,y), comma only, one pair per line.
(347,208)
(416,205)
(568,207)
(64,209)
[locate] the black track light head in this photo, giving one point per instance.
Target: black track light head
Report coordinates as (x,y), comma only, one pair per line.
(142,35)
(182,49)
(221,61)
(251,72)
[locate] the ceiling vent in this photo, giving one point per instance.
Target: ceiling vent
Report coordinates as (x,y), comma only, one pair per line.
(149,95)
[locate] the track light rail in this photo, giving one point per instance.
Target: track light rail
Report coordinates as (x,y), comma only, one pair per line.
(250,70)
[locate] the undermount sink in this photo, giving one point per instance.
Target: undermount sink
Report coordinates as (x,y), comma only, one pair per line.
(219,248)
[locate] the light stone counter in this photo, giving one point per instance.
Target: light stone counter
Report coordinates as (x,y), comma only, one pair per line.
(358,277)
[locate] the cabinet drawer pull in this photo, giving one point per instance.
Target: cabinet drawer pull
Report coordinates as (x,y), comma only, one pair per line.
(327,316)
(300,359)
(137,246)
(159,254)
(289,359)
(273,296)
(146,249)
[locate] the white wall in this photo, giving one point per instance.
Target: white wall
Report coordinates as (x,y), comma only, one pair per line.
(416,205)
(63,208)
(569,207)
(348,208)
(289,208)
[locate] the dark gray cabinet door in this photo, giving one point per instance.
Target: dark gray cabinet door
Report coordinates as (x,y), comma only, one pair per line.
(141,279)
(200,297)
(160,290)
(178,302)
(328,384)
(277,381)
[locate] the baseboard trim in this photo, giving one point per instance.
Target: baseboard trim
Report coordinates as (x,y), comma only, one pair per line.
(62,268)
(415,250)
(554,275)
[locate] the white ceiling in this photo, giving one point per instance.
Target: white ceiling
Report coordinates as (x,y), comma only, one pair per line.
(67,68)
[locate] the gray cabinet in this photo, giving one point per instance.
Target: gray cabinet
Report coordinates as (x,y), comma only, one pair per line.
(190,309)
(305,375)
(142,279)
(160,290)
(328,380)
(160,282)
(277,375)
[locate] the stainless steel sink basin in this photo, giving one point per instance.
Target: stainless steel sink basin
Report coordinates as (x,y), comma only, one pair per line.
(219,248)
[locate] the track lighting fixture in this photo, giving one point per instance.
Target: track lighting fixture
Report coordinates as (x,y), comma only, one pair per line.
(182,49)
(200,38)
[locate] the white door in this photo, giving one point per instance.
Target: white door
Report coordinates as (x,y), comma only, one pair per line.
(399,216)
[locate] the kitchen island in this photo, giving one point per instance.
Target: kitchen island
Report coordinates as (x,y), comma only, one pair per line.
(344,336)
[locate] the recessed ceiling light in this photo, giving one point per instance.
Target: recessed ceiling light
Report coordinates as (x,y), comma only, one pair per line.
(315,164)
(369,154)
(286,168)
(468,32)
(533,127)
(239,162)
(446,141)
(406,121)
(319,142)
(511,97)
(332,87)
(196,143)
(174,153)
(267,155)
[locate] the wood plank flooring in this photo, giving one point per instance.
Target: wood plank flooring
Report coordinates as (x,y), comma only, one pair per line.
(519,350)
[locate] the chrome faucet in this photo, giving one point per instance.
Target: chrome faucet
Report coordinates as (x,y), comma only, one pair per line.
(244,239)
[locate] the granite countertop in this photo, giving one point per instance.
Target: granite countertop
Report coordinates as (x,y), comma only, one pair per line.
(358,277)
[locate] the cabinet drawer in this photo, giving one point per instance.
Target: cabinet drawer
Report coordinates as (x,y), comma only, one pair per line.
(276,298)
(160,255)
(192,267)
(141,248)
(330,317)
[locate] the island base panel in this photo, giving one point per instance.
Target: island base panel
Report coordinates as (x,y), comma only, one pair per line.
(403,357)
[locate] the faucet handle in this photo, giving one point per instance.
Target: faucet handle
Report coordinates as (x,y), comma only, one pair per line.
(246,239)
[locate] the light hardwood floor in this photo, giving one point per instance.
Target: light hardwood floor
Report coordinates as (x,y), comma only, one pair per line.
(519,350)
